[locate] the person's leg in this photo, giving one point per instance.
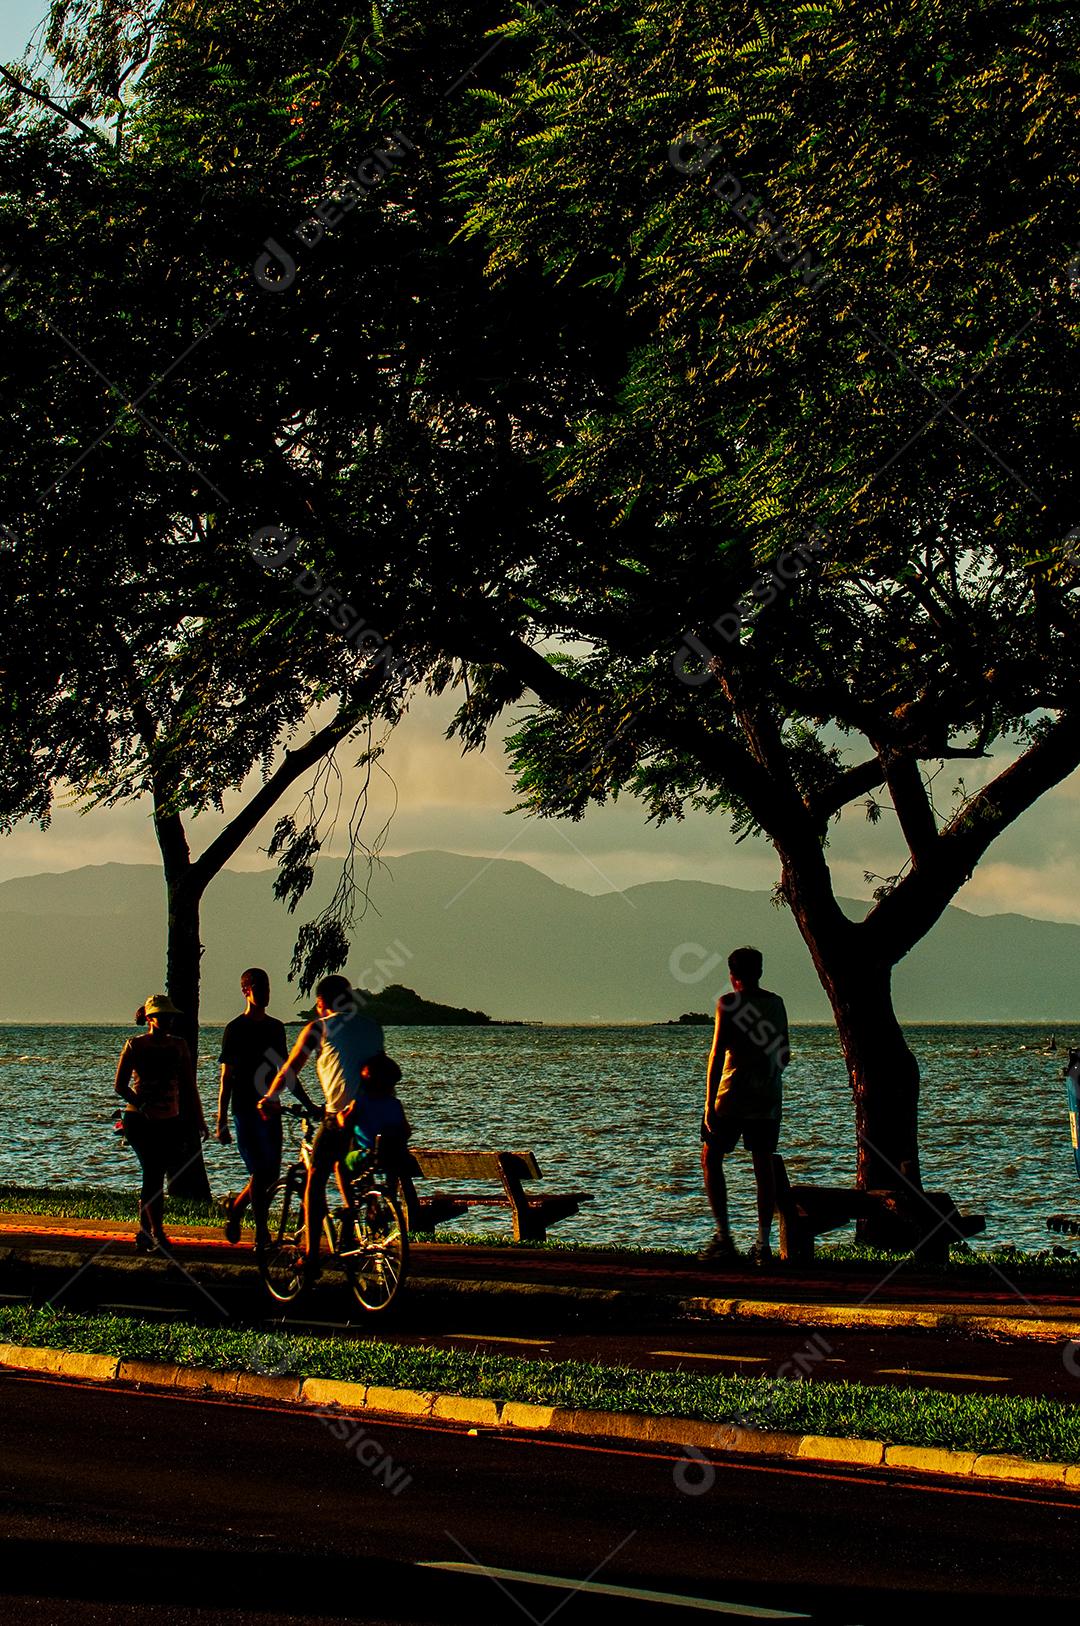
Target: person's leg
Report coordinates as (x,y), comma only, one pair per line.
(712,1168)
(762,1138)
(160,1146)
(325,1153)
(265,1176)
(765,1180)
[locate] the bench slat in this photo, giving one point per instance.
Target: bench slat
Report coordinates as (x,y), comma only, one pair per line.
(435,1164)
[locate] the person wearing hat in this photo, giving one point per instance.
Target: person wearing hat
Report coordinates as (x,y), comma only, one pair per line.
(156,1077)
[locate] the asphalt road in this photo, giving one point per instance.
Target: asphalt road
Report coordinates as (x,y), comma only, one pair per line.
(118,1506)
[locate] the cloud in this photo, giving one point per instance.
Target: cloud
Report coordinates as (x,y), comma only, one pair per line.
(459,803)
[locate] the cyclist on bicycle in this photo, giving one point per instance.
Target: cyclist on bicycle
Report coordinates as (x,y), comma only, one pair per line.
(343,1041)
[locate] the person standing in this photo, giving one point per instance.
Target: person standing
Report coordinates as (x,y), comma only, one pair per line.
(253,1047)
(744,1098)
(343,1041)
(156,1077)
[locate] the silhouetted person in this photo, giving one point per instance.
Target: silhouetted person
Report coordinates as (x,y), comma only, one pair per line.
(744,1098)
(343,1041)
(253,1047)
(156,1078)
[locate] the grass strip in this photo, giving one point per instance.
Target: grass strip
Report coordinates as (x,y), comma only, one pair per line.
(1056,1264)
(1045,1430)
(98,1202)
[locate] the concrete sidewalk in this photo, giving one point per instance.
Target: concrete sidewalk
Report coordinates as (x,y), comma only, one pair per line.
(664,1287)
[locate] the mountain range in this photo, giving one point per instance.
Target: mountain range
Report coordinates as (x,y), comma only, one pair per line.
(87,945)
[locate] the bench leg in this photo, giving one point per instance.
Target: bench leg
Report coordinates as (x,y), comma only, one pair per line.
(796,1240)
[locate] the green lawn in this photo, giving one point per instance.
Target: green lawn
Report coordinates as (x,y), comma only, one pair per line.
(1043,1429)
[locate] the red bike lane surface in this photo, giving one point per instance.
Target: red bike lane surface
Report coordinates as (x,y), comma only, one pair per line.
(871,1285)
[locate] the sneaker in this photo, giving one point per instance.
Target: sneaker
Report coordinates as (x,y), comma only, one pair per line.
(720,1250)
(144,1242)
(162,1244)
(761,1255)
(233,1219)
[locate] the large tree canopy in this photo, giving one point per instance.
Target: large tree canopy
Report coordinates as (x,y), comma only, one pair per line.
(660,299)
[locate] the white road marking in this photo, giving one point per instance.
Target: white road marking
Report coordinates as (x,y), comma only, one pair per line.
(702,1355)
(672,1599)
(909,1372)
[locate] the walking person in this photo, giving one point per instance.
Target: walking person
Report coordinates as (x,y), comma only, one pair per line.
(343,1042)
(156,1077)
(744,1099)
(253,1048)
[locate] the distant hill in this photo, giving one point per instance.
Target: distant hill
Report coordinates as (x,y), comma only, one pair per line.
(88,945)
(398,1006)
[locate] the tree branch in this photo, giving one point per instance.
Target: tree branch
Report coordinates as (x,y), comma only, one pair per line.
(47,101)
(858,780)
(294,763)
(912,804)
(907,913)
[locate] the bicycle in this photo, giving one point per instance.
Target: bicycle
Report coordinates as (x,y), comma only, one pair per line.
(368,1236)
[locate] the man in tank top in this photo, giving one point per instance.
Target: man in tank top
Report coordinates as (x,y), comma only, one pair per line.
(342,1040)
(744,1099)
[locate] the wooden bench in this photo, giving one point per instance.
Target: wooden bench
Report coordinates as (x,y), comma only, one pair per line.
(532,1212)
(929,1222)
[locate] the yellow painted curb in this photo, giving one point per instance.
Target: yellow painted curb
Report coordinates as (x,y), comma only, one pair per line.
(930,1460)
(1037,1473)
(262,1386)
(333,1392)
(96,1368)
(756,1442)
(159,1373)
(687,1431)
(460,1409)
(824,1448)
(207,1378)
(522,1414)
(405,1402)
(970,1319)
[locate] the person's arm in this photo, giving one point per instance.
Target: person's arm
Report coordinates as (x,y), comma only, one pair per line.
(124,1070)
(286,1077)
(224,1097)
(716,1064)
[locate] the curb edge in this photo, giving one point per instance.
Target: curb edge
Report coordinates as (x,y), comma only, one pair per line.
(694,1434)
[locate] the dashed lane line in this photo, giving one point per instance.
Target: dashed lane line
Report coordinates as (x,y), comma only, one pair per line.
(910,1372)
(704,1355)
(675,1600)
(497,1338)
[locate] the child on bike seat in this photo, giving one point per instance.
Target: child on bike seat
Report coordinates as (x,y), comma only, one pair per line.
(377,1111)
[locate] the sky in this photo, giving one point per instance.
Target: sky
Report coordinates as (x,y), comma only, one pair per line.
(460,805)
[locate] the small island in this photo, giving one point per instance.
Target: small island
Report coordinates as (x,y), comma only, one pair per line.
(398,1006)
(692,1019)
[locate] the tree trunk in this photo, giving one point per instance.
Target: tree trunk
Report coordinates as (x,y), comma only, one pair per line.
(883,1072)
(188,1178)
(882,1069)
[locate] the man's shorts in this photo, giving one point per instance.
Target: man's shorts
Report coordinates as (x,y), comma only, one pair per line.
(258,1140)
(758,1134)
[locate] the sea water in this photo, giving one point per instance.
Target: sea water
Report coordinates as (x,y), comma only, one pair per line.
(614,1111)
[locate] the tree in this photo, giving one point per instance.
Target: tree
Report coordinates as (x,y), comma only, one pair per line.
(160,639)
(641,420)
(804,218)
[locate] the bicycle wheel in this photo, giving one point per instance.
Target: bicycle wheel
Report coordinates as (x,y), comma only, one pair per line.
(281,1264)
(378,1259)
